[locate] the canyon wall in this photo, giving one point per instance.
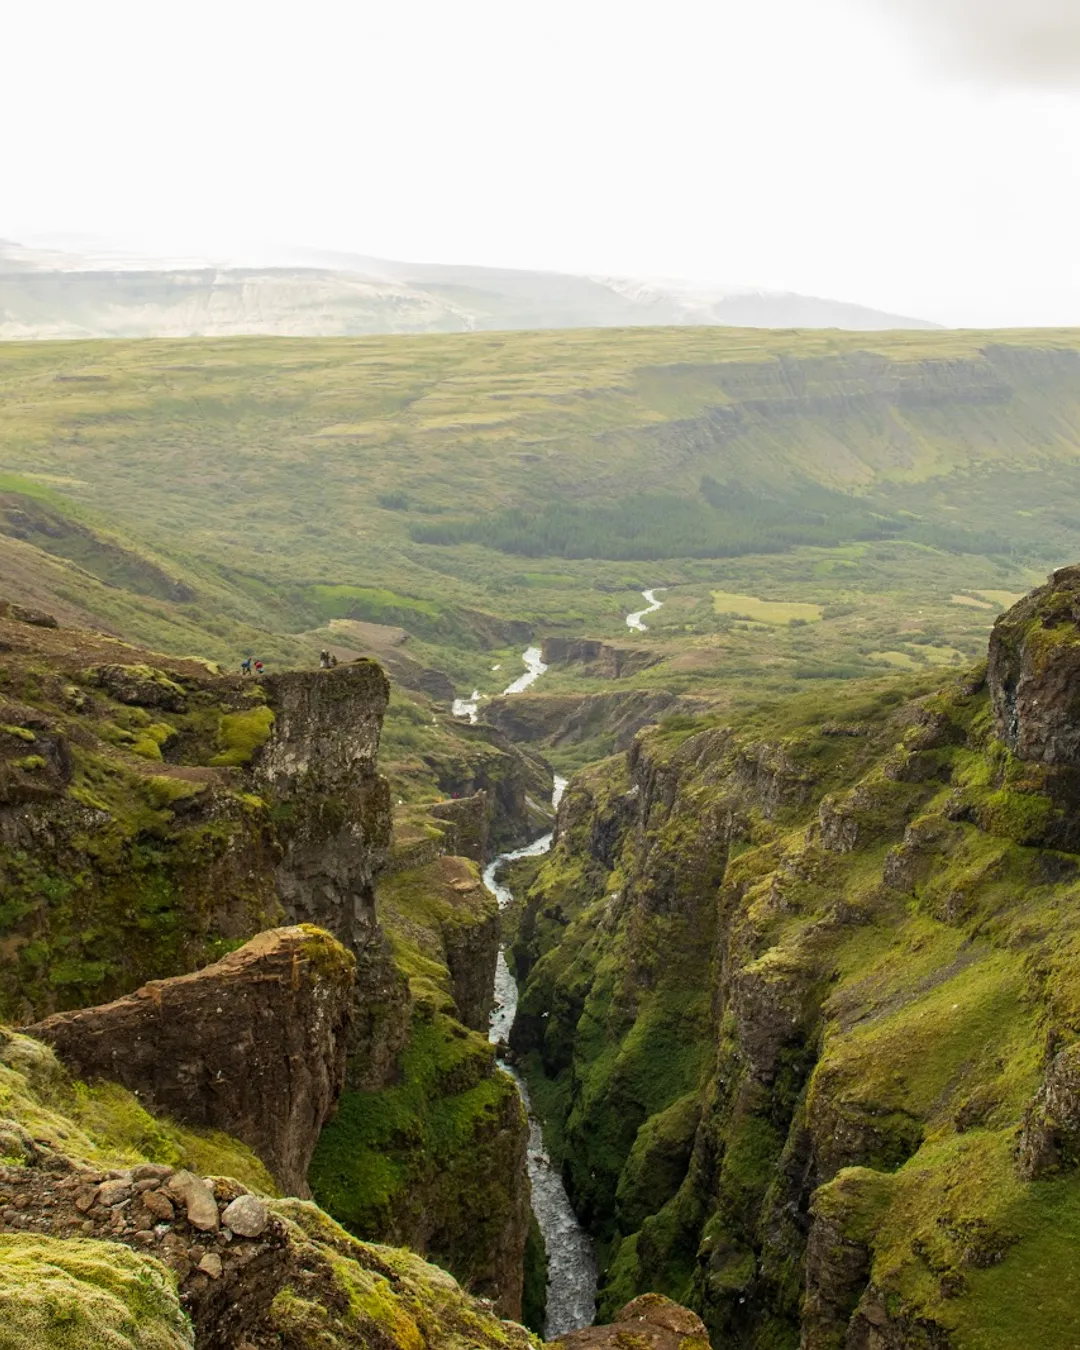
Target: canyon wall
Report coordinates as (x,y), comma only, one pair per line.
(805,987)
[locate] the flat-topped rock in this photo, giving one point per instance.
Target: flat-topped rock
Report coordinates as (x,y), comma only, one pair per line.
(254,1045)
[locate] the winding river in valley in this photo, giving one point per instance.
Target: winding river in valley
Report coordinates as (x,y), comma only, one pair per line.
(534,668)
(571,1290)
(634,620)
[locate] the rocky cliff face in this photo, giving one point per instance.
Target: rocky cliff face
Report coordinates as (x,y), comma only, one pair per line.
(154,814)
(254,1045)
(318,770)
(320,763)
(807,986)
(485,760)
(603,723)
(131,847)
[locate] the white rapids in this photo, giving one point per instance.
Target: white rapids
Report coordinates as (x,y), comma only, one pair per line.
(466,707)
(571,1290)
(534,668)
(634,620)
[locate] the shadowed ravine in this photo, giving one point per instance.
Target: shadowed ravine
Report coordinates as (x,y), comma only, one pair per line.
(571,1297)
(571,1289)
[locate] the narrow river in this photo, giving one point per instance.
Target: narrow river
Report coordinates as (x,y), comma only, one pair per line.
(634,620)
(534,668)
(571,1291)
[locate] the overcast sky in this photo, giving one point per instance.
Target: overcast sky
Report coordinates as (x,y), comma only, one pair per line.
(915,155)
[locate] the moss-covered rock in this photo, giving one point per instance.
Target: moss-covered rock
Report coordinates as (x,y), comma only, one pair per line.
(272,1020)
(443,926)
(437,1161)
(70,1294)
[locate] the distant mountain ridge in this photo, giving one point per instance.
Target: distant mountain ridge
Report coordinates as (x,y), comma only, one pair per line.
(56,293)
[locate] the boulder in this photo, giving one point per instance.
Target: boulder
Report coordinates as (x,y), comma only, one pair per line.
(254,1045)
(138,685)
(197,1196)
(649,1322)
(21,614)
(247,1216)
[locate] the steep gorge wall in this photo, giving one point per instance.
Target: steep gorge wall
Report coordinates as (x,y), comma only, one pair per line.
(807,988)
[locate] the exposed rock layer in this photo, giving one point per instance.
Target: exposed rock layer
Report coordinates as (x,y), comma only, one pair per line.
(603,660)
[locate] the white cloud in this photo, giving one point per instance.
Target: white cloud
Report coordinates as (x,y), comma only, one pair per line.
(1023,41)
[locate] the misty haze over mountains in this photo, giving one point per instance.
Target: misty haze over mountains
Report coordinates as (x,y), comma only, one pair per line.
(84,292)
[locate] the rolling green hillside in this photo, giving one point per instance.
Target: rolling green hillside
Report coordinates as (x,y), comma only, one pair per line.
(243,494)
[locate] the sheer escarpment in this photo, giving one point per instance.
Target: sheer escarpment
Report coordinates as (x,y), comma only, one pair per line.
(154,814)
(436,1159)
(806,987)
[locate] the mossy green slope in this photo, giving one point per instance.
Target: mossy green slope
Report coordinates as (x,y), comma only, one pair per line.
(86,1295)
(126,856)
(790,989)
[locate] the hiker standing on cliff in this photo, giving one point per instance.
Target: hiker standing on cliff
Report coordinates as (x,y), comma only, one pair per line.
(324,660)
(245,667)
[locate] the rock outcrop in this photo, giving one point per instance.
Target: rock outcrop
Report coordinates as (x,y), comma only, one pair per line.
(320,760)
(254,1045)
(649,1322)
(484,760)
(1034,672)
(468,822)
(154,813)
(602,660)
(149,1255)
(607,722)
(1050,1140)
